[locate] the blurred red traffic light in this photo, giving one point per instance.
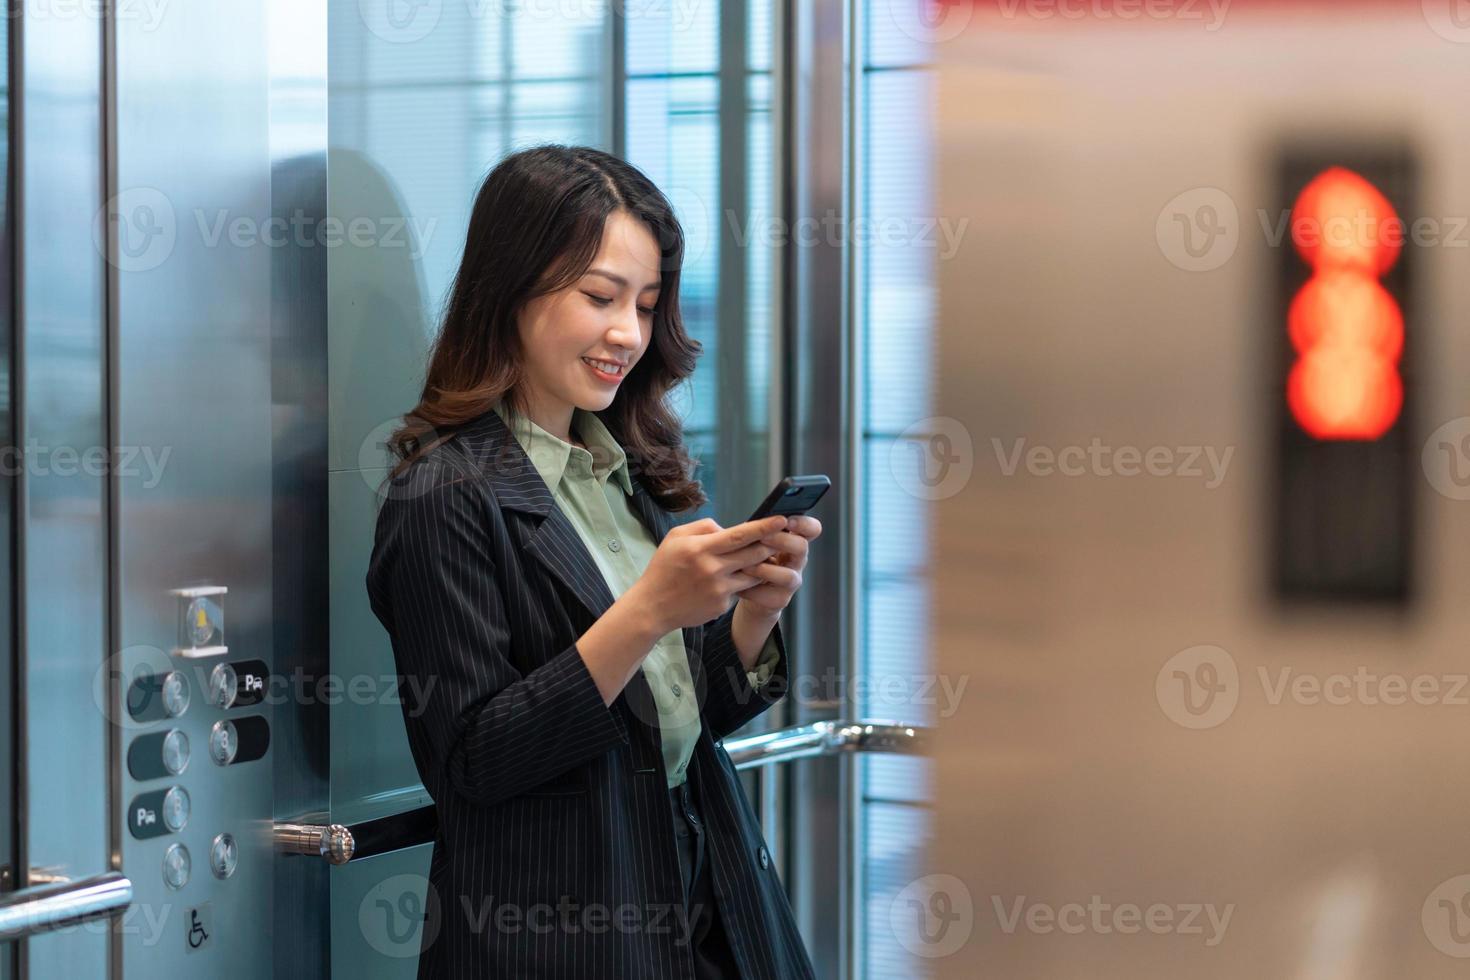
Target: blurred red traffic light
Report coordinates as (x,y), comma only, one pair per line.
(1346,328)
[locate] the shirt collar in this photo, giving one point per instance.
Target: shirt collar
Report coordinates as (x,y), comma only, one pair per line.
(550,454)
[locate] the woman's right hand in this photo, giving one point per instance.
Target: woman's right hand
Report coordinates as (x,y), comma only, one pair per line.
(697,569)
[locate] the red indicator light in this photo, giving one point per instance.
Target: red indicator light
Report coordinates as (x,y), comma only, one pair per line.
(1346,328)
(1340,219)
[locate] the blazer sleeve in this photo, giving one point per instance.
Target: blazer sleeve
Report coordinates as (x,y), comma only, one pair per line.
(730,702)
(489,731)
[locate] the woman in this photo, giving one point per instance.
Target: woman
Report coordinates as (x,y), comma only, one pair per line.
(579,656)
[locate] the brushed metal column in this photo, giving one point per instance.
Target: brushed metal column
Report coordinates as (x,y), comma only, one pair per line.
(820,418)
(193,256)
(301,929)
(61,544)
(10,728)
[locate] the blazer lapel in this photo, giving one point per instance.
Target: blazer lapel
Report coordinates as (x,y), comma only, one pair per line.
(553,540)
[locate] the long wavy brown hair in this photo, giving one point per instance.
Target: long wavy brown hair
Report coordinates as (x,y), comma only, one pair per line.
(536,227)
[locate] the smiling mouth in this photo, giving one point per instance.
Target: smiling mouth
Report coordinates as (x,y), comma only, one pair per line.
(609,368)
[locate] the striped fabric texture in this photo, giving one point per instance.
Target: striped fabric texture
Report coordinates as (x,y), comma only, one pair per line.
(555,855)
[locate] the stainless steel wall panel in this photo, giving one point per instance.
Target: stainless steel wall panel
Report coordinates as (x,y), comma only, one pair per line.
(62,489)
(1298,793)
(301,942)
(194,254)
(820,420)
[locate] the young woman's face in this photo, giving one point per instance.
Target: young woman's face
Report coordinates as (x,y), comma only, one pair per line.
(605,316)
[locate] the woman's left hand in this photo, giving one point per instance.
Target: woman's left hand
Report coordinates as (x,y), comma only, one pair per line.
(782,571)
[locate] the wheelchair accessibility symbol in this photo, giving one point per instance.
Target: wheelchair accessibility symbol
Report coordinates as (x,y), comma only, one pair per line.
(201,927)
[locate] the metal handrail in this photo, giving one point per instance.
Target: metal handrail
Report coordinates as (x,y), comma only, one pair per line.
(55,905)
(825,738)
(340,843)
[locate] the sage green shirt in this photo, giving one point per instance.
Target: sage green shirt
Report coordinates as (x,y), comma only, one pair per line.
(592,487)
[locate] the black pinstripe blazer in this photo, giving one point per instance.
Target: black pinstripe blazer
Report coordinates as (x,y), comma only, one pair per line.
(555,853)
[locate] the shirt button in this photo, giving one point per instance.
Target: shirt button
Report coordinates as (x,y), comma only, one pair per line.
(765,857)
(678,691)
(614,545)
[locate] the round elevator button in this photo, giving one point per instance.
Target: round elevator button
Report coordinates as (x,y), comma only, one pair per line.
(175,751)
(224,855)
(223,743)
(175,693)
(223,685)
(176,866)
(176,808)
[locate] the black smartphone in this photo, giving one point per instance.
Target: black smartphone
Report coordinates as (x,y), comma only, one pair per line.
(793,496)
